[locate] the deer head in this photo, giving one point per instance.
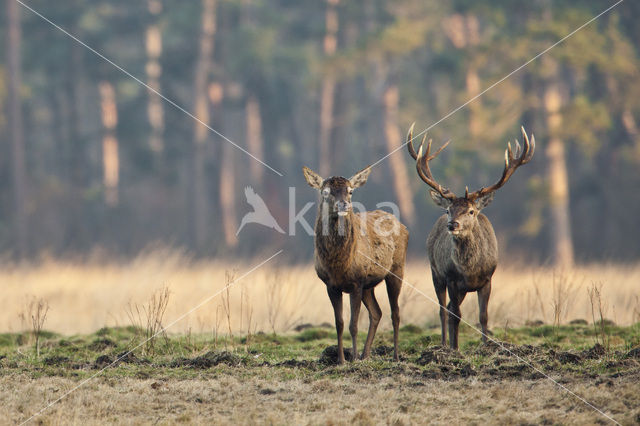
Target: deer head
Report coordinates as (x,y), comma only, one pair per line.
(463,212)
(336,191)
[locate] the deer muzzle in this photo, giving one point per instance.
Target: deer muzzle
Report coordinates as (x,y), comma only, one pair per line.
(453,226)
(342,208)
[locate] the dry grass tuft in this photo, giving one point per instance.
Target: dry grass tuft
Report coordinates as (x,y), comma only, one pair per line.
(147,318)
(35,312)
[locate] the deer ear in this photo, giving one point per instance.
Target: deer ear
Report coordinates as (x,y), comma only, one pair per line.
(439,199)
(360,178)
(484,201)
(313,179)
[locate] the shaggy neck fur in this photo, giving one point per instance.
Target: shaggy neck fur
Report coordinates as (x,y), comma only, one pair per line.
(335,245)
(468,252)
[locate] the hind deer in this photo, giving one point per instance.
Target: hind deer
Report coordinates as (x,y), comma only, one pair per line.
(462,246)
(354,252)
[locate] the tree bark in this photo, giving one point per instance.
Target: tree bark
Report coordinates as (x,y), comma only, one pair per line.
(16,129)
(198,199)
(78,160)
(255,142)
(393,138)
(473,88)
(228,196)
(562,246)
(110,157)
(155,109)
(463,31)
(327,94)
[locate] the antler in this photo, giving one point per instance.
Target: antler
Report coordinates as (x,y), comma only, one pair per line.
(422,163)
(410,147)
(511,162)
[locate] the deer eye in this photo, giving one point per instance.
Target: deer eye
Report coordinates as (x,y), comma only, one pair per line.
(471,212)
(350,191)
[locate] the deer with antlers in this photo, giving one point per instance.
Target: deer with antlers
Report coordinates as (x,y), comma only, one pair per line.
(462,246)
(354,252)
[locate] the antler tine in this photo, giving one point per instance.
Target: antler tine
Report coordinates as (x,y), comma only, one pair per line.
(422,166)
(410,147)
(530,146)
(512,160)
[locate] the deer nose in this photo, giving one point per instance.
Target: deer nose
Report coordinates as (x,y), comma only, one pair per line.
(453,225)
(342,206)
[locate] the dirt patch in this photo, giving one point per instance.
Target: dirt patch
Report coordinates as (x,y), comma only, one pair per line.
(382,350)
(329,355)
(595,352)
(568,357)
(129,358)
(208,360)
(439,355)
(100,345)
(634,353)
(56,360)
(297,363)
(102,361)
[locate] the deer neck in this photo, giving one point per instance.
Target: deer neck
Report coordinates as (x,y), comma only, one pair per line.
(335,238)
(466,252)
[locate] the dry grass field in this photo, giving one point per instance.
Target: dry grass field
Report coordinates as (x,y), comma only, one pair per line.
(391,400)
(84,297)
(270,373)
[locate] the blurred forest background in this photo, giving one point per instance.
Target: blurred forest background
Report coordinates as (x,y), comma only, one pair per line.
(90,159)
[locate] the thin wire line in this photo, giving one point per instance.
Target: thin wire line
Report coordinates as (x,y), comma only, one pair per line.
(151,89)
(500,81)
(208,299)
(523,360)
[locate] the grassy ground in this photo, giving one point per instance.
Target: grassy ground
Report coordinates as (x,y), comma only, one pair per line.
(293,379)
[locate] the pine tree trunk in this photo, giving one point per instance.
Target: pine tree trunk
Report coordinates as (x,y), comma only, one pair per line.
(562,246)
(153,46)
(393,138)
(77,88)
(327,94)
(110,157)
(473,88)
(198,199)
(228,195)
(16,130)
(254,138)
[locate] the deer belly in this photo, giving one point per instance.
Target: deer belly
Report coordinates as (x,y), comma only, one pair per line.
(345,287)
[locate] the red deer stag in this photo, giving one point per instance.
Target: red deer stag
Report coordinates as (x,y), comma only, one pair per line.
(354,252)
(462,245)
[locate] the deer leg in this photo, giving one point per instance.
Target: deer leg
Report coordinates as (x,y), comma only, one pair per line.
(336,300)
(483,303)
(441,293)
(455,299)
(375,313)
(394,284)
(356,302)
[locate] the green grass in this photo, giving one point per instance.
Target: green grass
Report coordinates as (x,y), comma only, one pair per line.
(567,349)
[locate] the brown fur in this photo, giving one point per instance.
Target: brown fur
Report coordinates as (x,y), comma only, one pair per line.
(462,263)
(462,246)
(352,257)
